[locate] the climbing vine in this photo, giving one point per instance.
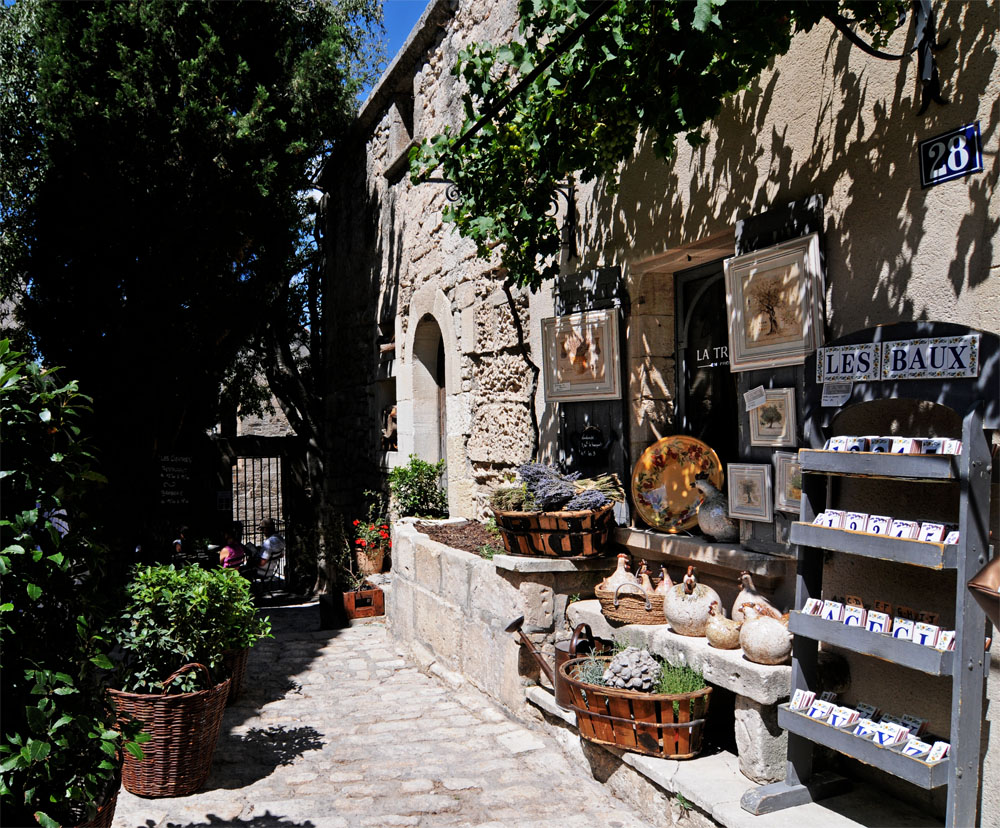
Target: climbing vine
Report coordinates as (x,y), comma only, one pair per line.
(606,71)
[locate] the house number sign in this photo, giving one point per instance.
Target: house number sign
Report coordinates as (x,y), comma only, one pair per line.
(949,356)
(952,155)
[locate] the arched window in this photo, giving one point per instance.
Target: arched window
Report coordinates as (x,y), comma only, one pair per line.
(430,425)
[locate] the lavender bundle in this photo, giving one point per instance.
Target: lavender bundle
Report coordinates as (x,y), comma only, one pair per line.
(545,488)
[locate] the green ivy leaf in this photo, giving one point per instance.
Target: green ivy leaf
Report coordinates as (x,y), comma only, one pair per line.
(45,820)
(34,591)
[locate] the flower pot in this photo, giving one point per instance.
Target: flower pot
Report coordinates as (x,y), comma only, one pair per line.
(236,665)
(370,561)
(364,603)
(184,730)
(556,534)
(665,725)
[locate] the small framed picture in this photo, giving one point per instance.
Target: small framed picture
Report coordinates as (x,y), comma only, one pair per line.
(787,481)
(774,298)
(773,423)
(580,356)
(750,492)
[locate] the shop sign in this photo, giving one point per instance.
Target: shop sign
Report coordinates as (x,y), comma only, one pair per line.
(849,363)
(952,155)
(951,356)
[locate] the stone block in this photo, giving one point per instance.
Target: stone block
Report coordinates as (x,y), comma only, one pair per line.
(494,599)
(538,604)
(482,658)
(438,627)
(651,377)
(760,743)
(503,377)
(456,569)
(399,609)
(403,552)
(651,336)
(427,569)
(501,433)
(458,412)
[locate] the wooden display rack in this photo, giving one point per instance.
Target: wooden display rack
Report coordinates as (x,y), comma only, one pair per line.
(967,665)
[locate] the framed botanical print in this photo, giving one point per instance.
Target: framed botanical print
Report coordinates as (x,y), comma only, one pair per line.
(775,302)
(773,423)
(580,353)
(787,481)
(750,492)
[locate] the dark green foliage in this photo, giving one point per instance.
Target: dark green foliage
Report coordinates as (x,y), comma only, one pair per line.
(175,617)
(664,67)
(58,750)
(416,489)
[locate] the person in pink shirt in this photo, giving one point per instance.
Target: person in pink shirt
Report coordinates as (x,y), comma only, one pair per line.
(233,554)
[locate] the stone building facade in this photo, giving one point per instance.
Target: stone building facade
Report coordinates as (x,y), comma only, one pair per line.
(426,328)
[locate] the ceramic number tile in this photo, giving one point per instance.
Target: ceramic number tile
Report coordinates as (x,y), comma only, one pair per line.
(878,622)
(907,529)
(880,445)
(854,616)
(855,521)
(878,525)
(902,628)
(833,611)
(905,445)
(925,634)
(931,532)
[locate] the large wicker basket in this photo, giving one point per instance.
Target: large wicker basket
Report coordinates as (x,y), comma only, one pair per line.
(628,607)
(105,807)
(668,726)
(236,665)
(184,730)
(556,534)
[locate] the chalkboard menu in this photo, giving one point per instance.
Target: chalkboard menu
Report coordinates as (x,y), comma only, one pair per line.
(175,480)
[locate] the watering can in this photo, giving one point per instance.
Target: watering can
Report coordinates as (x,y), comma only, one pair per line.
(582,642)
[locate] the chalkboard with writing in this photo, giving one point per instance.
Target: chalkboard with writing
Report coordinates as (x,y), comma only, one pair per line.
(175,481)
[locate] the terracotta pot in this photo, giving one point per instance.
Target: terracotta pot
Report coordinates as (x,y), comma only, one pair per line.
(370,563)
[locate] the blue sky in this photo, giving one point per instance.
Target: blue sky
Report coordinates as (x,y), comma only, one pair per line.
(400,18)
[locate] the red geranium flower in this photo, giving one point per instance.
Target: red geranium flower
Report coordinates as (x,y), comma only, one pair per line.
(357,522)
(363,542)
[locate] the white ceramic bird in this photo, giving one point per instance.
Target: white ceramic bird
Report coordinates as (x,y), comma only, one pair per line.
(749,595)
(713,514)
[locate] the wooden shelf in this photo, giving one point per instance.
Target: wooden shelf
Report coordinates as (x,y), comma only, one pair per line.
(858,640)
(922,467)
(843,741)
(883,547)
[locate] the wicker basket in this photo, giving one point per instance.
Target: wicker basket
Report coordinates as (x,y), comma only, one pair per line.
(235,662)
(106,806)
(631,607)
(184,730)
(556,534)
(668,726)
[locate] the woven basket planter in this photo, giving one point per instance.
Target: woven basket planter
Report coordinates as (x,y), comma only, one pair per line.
(371,563)
(105,812)
(236,665)
(556,534)
(184,730)
(628,607)
(668,726)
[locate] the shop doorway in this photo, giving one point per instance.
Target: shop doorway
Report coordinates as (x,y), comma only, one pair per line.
(430,410)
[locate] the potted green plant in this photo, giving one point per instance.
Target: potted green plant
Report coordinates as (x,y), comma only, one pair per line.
(59,751)
(550,514)
(175,632)
(372,539)
(416,489)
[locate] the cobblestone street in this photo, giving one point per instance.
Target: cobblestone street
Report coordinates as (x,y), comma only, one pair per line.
(336,728)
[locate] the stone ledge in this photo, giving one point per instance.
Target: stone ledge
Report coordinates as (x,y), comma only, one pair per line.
(517,563)
(716,558)
(715,785)
(724,668)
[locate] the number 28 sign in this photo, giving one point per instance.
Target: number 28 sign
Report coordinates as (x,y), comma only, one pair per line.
(951,155)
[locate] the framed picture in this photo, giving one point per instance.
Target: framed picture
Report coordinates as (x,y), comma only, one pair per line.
(775,302)
(773,423)
(580,354)
(787,481)
(750,492)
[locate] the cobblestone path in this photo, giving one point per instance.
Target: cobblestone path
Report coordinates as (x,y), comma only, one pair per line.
(336,728)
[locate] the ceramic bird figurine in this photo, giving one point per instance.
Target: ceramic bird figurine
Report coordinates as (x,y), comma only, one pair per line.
(665,583)
(620,576)
(713,514)
(647,584)
(764,640)
(750,595)
(720,631)
(686,605)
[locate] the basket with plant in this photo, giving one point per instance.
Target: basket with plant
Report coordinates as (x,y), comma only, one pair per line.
(548,513)
(372,537)
(176,632)
(636,701)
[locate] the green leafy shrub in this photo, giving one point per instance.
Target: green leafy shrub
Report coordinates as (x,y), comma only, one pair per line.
(175,617)
(58,751)
(416,489)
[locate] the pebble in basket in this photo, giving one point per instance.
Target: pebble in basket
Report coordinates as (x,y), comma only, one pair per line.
(175,630)
(637,702)
(547,513)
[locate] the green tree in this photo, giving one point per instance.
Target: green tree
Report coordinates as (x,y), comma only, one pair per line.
(664,67)
(156,160)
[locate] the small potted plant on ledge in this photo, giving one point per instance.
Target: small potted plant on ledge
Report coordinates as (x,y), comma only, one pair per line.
(372,539)
(548,513)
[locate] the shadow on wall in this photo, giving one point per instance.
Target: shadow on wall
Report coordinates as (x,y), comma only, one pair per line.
(861,156)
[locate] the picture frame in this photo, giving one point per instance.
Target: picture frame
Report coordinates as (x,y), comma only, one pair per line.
(787,482)
(749,487)
(774,423)
(580,356)
(774,298)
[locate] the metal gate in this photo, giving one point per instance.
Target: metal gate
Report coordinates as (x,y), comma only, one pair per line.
(258,493)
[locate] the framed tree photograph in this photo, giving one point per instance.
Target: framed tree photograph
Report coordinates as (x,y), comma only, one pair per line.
(580,354)
(787,481)
(750,492)
(775,302)
(774,423)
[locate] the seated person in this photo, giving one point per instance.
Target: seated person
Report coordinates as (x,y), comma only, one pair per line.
(273,546)
(233,554)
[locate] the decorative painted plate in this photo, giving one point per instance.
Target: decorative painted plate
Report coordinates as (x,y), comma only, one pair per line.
(662,481)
